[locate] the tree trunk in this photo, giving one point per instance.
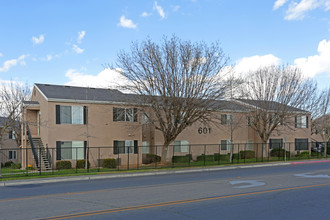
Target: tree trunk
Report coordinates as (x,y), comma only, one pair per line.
(164,158)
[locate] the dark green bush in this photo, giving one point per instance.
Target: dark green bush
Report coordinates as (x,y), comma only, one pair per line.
(279,152)
(1,164)
(221,157)
(9,163)
(302,154)
(315,154)
(236,156)
(109,163)
(81,164)
(63,164)
(181,159)
(207,157)
(247,154)
(16,166)
(152,158)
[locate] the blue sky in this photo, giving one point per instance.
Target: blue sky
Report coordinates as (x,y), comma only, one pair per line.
(68,42)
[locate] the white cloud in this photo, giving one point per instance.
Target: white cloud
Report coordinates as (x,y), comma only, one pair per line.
(39,40)
(160,10)
(76,49)
(145,14)
(320,63)
(107,78)
(81,35)
(279,3)
(252,63)
(298,10)
(13,62)
(126,23)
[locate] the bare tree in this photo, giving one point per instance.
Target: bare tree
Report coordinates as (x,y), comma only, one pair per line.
(12,95)
(321,117)
(275,94)
(178,81)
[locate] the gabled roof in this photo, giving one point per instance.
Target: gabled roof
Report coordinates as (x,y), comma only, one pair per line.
(270,105)
(74,93)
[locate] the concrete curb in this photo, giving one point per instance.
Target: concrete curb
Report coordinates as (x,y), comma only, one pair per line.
(147,173)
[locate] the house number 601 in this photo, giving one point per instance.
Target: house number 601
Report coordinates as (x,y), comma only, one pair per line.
(204,130)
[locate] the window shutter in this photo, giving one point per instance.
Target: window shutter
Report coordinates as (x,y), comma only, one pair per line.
(136,147)
(306,121)
(85,149)
(135,114)
(85,114)
(295,122)
(115,147)
(58,117)
(58,150)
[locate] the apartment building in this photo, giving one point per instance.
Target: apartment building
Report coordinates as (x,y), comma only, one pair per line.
(8,146)
(64,121)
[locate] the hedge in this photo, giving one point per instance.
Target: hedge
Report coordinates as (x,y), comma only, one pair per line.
(152,158)
(279,152)
(221,157)
(303,154)
(63,164)
(181,159)
(247,154)
(109,163)
(81,164)
(9,163)
(207,157)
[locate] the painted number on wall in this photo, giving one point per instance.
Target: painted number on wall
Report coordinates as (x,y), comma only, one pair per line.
(204,130)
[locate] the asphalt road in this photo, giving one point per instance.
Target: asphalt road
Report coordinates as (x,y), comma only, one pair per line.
(282,192)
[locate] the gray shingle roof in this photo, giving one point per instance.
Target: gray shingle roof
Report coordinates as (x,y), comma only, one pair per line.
(84,93)
(269,105)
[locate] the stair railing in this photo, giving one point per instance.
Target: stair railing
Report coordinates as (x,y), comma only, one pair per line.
(34,149)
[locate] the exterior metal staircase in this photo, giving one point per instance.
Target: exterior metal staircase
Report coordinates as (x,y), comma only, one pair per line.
(41,155)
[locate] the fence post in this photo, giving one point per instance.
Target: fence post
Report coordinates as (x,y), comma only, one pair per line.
(99,160)
(77,160)
(257,152)
(26,161)
(219,154)
(238,153)
(39,160)
(156,156)
(204,153)
(117,158)
(138,156)
(189,156)
(128,158)
(173,156)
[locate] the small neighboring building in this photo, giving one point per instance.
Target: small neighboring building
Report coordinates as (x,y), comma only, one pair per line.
(9,151)
(63,122)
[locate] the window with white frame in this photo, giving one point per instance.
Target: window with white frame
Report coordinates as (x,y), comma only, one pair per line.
(181,146)
(66,114)
(301,143)
(226,144)
(12,155)
(226,119)
(145,117)
(125,114)
(12,135)
(70,150)
(125,147)
(301,121)
(145,147)
(250,145)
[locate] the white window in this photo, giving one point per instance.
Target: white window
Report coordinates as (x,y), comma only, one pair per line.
(301,121)
(72,150)
(145,147)
(125,114)
(145,118)
(226,144)
(12,135)
(12,155)
(70,114)
(125,147)
(181,146)
(226,119)
(250,145)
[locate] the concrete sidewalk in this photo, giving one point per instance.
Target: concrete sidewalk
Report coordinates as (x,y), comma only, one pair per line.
(149,173)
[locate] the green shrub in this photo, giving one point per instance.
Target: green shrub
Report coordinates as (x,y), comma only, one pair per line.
(152,158)
(315,154)
(9,163)
(221,157)
(206,157)
(63,164)
(235,156)
(16,166)
(1,164)
(247,154)
(302,154)
(109,163)
(181,159)
(279,152)
(81,164)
